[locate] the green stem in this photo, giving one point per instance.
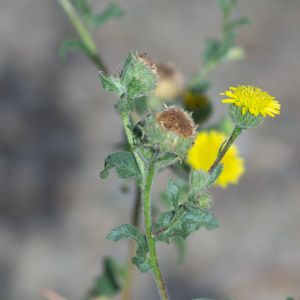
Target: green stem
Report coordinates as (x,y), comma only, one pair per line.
(151,244)
(84,34)
(135,221)
(235,133)
(147,176)
(201,74)
(127,127)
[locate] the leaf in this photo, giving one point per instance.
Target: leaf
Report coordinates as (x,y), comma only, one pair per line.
(173,194)
(142,263)
(289,298)
(124,163)
(187,224)
(107,284)
(215,175)
(181,247)
(71,44)
(128,231)
(125,103)
(114,10)
(165,159)
(238,22)
(110,84)
(199,179)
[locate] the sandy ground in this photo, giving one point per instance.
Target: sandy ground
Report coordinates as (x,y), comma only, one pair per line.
(58,125)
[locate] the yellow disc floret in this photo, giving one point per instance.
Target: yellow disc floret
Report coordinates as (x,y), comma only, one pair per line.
(253,99)
(204,153)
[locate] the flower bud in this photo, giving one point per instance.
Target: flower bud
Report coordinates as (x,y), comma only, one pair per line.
(169,129)
(138,75)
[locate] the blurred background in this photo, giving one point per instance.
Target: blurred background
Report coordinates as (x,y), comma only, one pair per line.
(58,125)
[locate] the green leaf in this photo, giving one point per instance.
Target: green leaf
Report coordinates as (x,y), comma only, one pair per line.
(124,163)
(289,298)
(114,10)
(181,247)
(107,284)
(238,22)
(173,194)
(128,231)
(165,159)
(199,179)
(111,84)
(125,103)
(187,224)
(71,44)
(142,263)
(215,175)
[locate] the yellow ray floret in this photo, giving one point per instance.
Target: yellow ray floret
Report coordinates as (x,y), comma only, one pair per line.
(253,99)
(204,153)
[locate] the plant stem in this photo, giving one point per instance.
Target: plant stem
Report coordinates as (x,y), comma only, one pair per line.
(127,127)
(147,180)
(151,244)
(235,133)
(135,221)
(84,34)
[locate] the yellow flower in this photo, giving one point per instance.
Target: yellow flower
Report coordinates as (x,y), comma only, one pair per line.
(253,99)
(204,153)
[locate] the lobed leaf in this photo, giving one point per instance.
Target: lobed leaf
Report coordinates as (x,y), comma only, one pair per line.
(124,163)
(186,225)
(128,231)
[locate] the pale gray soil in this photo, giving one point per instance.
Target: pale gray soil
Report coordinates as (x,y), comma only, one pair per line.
(58,125)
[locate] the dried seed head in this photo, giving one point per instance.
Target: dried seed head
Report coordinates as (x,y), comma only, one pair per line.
(169,129)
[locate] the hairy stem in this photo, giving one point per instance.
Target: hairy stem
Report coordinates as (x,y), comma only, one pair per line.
(147,180)
(235,133)
(84,34)
(151,244)
(127,127)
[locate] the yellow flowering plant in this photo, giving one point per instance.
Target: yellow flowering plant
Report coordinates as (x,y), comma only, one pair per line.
(164,127)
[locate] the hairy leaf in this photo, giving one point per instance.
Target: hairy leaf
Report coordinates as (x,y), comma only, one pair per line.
(215,175)
(142,263)
(128,231)
(111,84)
(187,224)
(124,163)
(173,194)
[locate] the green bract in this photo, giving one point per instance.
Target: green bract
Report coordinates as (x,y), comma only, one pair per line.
(168,129)
(136,77)
(245,121)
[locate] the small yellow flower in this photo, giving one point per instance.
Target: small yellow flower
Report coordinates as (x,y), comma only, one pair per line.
(253,99)
(204,153)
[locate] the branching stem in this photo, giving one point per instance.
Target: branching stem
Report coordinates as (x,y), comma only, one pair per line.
(147,181)
(84,34)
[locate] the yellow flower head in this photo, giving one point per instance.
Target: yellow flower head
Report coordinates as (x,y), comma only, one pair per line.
(253,99)
(204,153)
